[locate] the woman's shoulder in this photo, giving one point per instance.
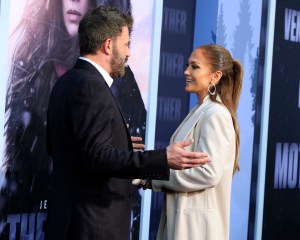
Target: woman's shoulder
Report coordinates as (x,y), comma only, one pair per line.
(217,109)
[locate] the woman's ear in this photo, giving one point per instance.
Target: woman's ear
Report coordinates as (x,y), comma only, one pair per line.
(217,76)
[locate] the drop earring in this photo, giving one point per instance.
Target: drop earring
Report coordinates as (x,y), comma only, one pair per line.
(214,86)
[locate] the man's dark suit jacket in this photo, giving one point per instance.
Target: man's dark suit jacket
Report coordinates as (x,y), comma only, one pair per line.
(93,161)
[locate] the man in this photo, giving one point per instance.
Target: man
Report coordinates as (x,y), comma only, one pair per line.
(93,158)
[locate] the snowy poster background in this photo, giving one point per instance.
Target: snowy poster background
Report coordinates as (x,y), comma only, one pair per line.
(239,26)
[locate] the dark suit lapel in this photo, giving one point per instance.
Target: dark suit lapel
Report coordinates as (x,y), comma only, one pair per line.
(88,66)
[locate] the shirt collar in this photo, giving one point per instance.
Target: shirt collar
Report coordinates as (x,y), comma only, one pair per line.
(108,79)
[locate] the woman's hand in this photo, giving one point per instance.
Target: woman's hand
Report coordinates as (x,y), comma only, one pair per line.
(137,144)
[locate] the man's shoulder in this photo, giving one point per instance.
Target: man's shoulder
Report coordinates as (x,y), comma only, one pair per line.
(80,75)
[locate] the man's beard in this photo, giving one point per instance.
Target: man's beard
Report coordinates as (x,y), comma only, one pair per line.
(117,64)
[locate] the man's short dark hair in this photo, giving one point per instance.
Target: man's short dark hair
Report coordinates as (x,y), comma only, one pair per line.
(100,24)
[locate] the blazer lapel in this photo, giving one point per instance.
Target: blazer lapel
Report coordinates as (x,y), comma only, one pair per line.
(189,122)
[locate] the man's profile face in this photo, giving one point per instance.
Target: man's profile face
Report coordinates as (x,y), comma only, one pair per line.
(120,54)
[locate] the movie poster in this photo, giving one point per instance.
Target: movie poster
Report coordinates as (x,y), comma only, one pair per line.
(172,101)
(43,45)
(281,213)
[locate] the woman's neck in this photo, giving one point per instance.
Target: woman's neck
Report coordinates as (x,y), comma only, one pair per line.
(201,98)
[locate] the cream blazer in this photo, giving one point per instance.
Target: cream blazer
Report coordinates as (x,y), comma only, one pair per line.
(197,204)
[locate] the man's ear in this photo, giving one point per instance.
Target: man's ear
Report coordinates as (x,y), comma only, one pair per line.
(217,76)
(107,46)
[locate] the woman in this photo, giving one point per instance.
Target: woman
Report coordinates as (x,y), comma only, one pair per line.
(197,202)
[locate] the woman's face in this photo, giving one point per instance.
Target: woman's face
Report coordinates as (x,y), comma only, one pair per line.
(198,74)
(73,11)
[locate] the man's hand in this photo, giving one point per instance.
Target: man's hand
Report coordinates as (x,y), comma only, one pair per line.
(179,158)
(137,144)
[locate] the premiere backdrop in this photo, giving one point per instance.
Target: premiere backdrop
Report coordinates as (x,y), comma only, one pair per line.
(172,101)
(240,26)
(281,208)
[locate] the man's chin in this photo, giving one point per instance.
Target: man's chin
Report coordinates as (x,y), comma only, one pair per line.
(118,70)
(118,74)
